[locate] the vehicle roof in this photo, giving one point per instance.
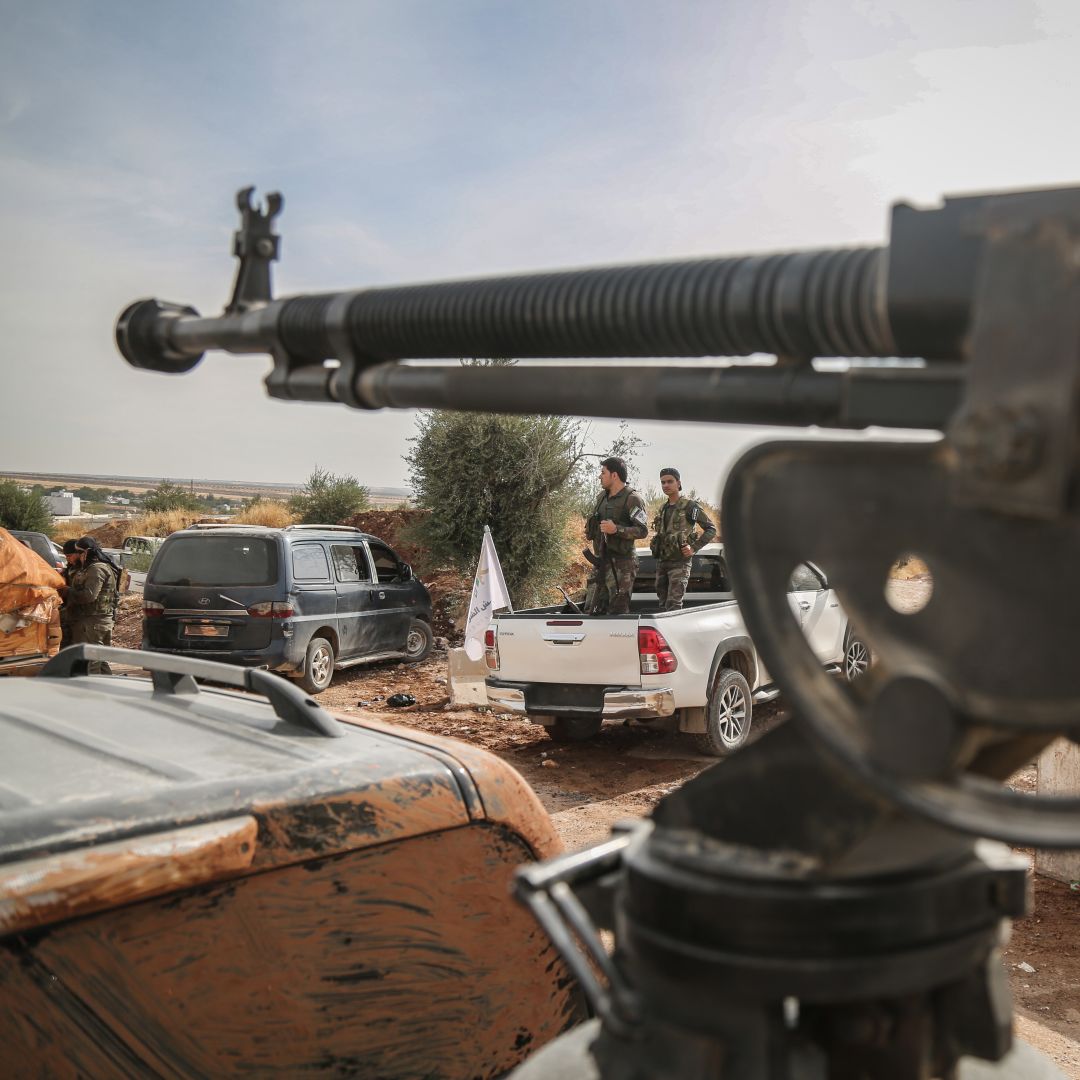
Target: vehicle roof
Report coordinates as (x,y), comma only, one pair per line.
(292,532)
(90,759)
(714,548)
(31,532)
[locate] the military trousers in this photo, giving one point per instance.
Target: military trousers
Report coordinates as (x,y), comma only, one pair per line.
(610,585)
(96,631)
(672,576)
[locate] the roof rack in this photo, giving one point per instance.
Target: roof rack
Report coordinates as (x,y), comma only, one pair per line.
(326,528)
(224,525)
(176,675)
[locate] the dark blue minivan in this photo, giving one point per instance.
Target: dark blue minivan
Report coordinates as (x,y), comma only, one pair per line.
(304,600)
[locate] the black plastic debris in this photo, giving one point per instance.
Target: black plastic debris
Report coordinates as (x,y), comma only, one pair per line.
(399,701)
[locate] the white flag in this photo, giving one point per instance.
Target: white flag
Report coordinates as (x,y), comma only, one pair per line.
(489,594)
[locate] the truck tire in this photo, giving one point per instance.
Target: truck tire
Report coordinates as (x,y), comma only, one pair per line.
(418,642)
(857,656)
(318,666)
(727,714)
(574,728)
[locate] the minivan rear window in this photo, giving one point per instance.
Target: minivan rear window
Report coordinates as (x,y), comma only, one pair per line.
(217,560)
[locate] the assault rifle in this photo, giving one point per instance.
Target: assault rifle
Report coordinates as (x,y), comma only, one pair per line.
(821,905)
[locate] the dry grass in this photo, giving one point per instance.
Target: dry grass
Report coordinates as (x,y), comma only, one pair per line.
(268,512)
(163,522)
(67,530)
(909,567)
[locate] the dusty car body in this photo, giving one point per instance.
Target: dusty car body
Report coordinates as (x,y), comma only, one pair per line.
(29,607)
(196,883)
(41,545)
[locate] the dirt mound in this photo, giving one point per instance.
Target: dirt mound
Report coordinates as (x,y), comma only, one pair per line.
(113,533)
(127,630)
(450,593)
(396,527)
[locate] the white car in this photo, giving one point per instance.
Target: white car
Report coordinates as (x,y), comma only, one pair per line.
(570,671)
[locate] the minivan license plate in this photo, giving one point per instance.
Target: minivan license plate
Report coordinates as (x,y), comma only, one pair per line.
(205,630)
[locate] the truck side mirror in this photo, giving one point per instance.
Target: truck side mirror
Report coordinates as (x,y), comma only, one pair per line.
(405,573)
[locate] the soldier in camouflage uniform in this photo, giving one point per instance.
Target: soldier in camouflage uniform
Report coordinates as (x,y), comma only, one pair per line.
(674,541)
(619,519)
(71,553)
(91,599)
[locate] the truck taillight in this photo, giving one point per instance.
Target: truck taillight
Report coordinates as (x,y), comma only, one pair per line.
(151,609)
(654,652)
(491,650)
(268,610)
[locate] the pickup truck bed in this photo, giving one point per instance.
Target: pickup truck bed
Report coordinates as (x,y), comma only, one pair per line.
(695,668)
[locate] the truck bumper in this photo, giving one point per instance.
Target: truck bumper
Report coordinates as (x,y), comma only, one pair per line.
(621,703)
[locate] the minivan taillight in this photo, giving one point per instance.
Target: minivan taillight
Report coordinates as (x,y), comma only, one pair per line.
(654,652)
(277,609)
(151,609)
(491,650)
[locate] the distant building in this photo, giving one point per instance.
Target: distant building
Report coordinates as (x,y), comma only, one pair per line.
(63,504)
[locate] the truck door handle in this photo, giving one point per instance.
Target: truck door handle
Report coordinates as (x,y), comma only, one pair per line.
(804,604)
(382,595)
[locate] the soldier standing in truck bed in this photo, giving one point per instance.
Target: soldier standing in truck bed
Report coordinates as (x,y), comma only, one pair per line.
(675,540)
(619,519)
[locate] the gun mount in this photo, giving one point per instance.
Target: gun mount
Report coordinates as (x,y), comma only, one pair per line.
(863,914)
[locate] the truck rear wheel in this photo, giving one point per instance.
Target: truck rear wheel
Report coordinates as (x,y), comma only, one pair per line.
(727,714)
(574,728)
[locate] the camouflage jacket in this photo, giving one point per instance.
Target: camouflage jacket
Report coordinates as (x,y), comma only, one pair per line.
(93,592)
(676,525)
(627,510)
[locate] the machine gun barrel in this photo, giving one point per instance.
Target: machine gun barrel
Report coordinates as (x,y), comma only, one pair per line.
(823,303)
(909,299)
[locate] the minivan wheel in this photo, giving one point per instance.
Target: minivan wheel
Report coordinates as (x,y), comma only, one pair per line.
(419,641)
(318,666)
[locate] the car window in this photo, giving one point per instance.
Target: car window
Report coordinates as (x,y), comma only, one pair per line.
(387,567)
(309,563)
(350,563)
(708,574)
(217,560)
(804,580)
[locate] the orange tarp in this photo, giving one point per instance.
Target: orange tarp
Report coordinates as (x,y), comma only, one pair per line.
(29,601)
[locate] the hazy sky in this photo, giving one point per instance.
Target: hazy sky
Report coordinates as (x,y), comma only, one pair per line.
(429,139)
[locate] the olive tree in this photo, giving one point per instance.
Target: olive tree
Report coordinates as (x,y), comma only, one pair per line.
(513,473)
(327,499)
(169,496)
(21,509)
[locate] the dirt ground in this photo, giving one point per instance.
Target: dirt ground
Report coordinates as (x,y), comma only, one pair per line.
(626,770)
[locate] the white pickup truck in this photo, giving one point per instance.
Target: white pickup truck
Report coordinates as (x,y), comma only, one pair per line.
(695,668)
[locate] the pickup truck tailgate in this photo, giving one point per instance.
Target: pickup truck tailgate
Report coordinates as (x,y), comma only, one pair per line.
(553,648)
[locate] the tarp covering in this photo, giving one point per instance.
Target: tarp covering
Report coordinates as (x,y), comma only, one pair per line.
(29,601)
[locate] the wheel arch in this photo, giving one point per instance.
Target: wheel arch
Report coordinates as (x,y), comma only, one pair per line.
(737,653)
(330,634)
